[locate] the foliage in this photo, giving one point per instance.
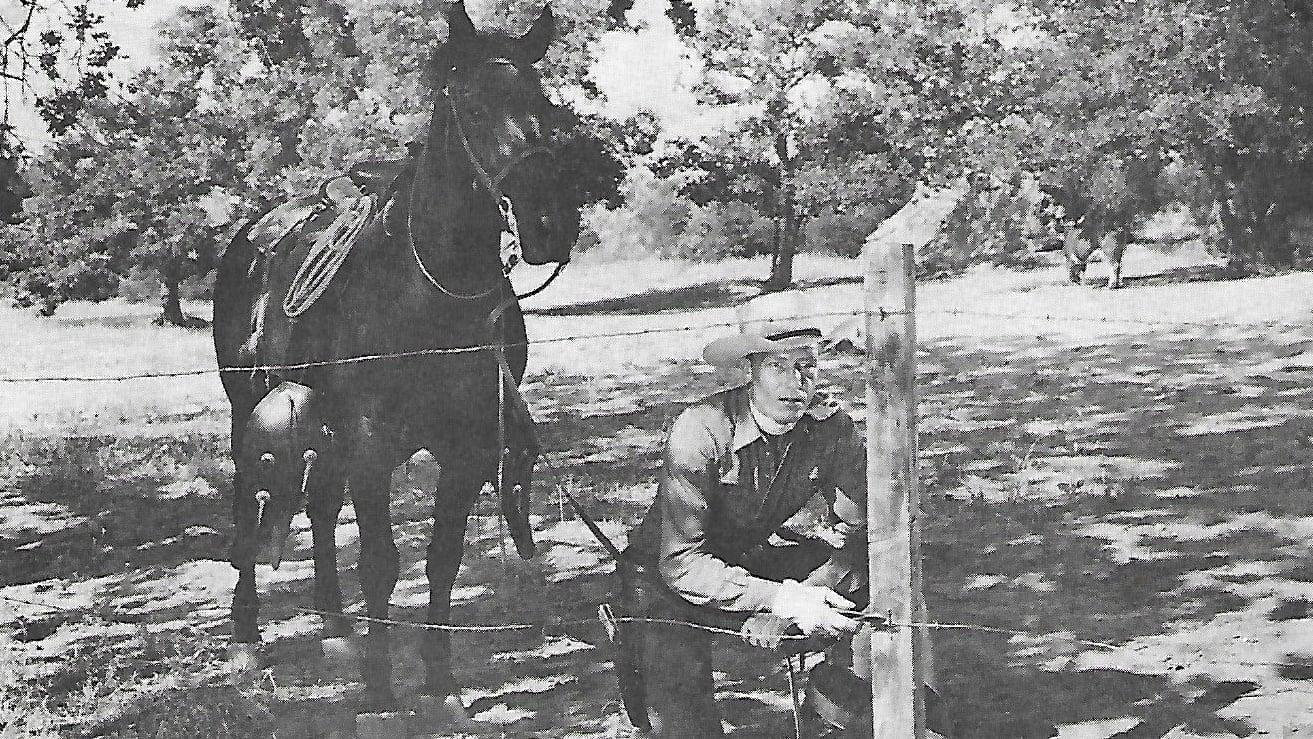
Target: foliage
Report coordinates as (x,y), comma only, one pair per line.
(839,109)
(764,58)
(130,187)
(845,106)
(59,52)
(722,230)
(1202,102)
(993,223)
(240,112)
(650,222)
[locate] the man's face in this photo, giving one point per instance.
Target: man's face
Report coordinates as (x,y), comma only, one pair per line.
(784,383)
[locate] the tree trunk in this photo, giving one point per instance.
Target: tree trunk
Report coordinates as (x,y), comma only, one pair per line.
(776,234)
(781,274)
(786,245)
(171,313)
(1239,262)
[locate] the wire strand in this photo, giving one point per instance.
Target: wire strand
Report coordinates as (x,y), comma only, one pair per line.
(407,354)
(877,311)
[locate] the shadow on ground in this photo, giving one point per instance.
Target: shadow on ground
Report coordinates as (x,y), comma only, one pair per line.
(1149,492)
(705,295)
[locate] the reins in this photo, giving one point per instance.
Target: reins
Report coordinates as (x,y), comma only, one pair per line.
(509,252)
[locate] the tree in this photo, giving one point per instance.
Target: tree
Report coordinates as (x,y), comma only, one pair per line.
(1245,72)
(846,106)
(239,113)
(13,188)
(1201,101)
(60,54)
(761,57)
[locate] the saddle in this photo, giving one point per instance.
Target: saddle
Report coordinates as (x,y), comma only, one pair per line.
(378,176)
(327,254)
(303,246)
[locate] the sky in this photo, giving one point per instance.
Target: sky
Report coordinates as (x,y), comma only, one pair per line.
(661,83)
(132,30)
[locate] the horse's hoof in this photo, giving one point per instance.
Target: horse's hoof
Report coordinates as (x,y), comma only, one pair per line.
(339,649)
(382,725)
(380,701)
(445,714)
(331,724)
(243,658)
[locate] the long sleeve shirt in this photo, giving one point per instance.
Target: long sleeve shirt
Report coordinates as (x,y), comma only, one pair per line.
(726,486)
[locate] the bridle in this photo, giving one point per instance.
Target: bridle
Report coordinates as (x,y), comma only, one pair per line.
(510,253)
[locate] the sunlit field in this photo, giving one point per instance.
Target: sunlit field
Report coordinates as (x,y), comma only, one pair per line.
(1128,467)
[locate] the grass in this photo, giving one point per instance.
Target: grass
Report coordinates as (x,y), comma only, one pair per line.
(1137,483)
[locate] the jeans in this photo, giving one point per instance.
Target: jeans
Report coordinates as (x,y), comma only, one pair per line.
(676,660)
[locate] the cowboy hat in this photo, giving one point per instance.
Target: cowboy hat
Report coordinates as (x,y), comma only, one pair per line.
(773,322)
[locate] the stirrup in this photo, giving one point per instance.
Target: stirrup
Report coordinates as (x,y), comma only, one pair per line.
(609,622)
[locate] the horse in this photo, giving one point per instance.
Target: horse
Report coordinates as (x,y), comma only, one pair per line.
(1078,247)
(426,272)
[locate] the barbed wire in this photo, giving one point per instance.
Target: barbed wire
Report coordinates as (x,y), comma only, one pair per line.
(1103,319)
(438,351)
(418,352)
(542,628)
(38,604)
(881,624)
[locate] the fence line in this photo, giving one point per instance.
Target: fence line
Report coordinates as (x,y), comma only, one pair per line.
(1107,319)
(47,606)
(543,627)
(882,312)
(410,354)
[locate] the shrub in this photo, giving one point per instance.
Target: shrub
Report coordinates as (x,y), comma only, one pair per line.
(992,225)
(723,230)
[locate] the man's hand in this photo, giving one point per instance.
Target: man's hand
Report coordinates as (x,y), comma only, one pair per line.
(813,608)
(765,630)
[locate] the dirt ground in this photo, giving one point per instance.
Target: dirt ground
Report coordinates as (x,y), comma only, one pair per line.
(1110,478)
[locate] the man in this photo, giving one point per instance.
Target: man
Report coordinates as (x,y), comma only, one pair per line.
(711,549)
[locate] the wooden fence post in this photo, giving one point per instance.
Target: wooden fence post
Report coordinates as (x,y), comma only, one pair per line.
(893,501)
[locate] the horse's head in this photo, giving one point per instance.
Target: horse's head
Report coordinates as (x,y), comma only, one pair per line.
(490,111)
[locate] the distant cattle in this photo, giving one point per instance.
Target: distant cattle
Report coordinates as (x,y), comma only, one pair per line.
(1077,250)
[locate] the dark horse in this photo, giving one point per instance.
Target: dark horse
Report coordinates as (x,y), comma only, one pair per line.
(426,272)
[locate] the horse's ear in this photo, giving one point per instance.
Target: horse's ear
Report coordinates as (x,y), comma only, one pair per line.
(461,37)
(532,46)
(460,29)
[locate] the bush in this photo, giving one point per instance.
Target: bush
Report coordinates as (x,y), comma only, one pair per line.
(649,223)
(843,233)
(992,224)
(724,230)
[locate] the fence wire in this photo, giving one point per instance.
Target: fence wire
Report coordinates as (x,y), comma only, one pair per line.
(542,628)
(879,311)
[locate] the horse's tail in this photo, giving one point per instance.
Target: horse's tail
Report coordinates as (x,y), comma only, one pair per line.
(236,282)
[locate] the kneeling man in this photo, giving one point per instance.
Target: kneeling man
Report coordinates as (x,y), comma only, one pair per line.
(738,465)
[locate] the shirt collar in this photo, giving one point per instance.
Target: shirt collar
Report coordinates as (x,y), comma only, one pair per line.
(768,424)
(746,429)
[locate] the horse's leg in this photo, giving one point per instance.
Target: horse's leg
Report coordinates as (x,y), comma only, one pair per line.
(323,506)
(242,554)
(1114,248)
(369,478)
(1075,253)
(458,487)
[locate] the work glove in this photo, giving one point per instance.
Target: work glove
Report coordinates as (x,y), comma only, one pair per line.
(765,629)
(813,608)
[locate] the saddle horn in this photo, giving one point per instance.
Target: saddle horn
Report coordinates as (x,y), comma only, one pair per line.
(533,45)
